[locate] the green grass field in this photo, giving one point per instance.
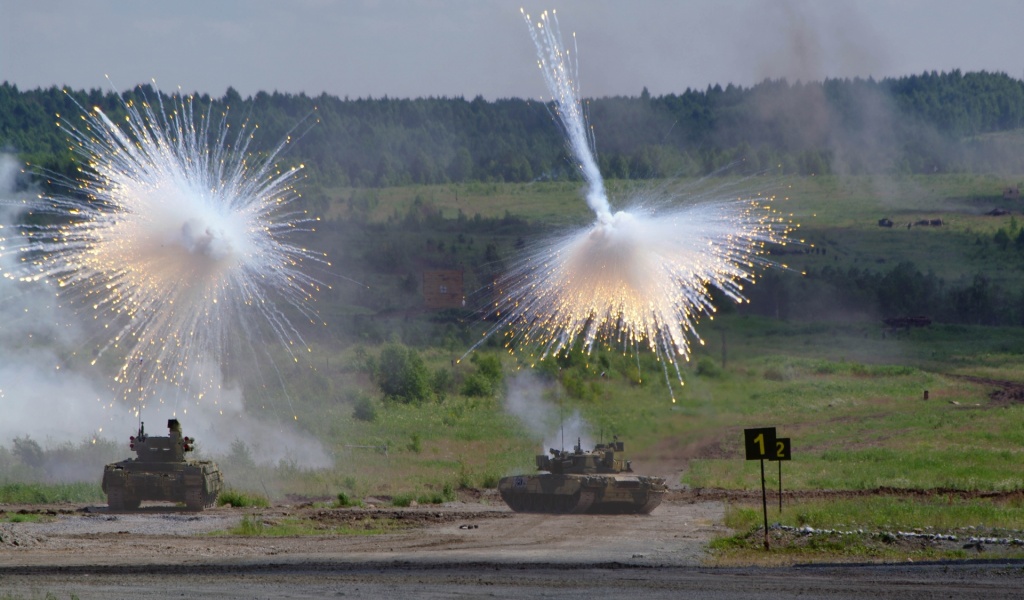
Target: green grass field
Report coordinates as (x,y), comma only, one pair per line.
(849,395)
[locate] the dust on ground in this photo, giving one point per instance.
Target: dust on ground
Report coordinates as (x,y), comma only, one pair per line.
(480,529)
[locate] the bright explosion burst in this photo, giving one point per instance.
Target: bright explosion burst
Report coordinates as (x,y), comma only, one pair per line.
(175,240)
(631,279)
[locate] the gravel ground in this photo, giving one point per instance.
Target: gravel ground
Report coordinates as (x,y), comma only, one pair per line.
(472,549)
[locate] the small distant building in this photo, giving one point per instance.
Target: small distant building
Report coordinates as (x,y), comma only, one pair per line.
(885,222)
(1011,193)
(443,289)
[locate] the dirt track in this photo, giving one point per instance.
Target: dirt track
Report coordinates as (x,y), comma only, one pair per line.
(472,549)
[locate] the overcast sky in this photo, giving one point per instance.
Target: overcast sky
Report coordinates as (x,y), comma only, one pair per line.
(413,48)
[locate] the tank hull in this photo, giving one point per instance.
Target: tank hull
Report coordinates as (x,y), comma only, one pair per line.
(196,483)
(600,493)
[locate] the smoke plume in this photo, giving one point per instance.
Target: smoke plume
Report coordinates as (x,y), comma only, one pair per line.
(535,402)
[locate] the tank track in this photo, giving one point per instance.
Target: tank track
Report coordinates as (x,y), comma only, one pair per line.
(117,500)
(575,504)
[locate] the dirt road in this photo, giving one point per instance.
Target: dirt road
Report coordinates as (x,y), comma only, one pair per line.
(468,549)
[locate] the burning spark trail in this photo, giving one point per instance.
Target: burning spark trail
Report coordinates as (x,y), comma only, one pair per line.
(177,245)
(636,278)
(561,73)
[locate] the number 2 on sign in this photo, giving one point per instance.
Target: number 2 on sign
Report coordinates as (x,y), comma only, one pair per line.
(780,449)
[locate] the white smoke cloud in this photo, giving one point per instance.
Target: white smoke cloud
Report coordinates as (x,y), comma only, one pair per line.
(533,401)
(8,172)
(40,397)
(50,393)
(217,422)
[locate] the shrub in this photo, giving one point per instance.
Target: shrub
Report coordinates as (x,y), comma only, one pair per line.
(708,368)
(442,381)
(415,445)
(344,500)
(364,409)
(401,374)
(29,452)
(240,457)
(489,480)
(477,385)
(239,499)
(488,365)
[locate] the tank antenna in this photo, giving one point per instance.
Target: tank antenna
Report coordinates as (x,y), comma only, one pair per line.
(139,390)
(561,418)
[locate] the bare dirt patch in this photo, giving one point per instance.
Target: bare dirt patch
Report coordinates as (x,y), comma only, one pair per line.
(1005,393)
(676,533)
(473,548)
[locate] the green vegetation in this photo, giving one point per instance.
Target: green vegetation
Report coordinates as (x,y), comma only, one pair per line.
(345,501)
(249,525)
(939,512)
(238,499)
(407,186)
(20,518)
(869,528)
(927,123)
(43,493)
(446,494)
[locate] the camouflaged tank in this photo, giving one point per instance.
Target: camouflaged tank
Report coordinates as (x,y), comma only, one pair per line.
(583,482)
(161,472)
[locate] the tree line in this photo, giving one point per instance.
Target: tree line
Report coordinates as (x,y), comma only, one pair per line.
(932,122)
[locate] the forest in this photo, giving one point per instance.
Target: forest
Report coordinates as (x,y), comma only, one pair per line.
(354,150)
(934,122)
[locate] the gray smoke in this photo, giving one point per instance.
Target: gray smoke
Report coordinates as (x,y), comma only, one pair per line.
(534,401)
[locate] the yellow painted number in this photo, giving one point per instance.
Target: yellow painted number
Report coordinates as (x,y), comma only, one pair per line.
(780,449)
(760,442)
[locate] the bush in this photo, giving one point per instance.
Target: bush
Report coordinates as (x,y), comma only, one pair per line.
(708,368)
(365,409)
(240,457)
(477,385)
(401,374)
(442,381)
(344,501)
(29,452)
(240,499)
(488,365)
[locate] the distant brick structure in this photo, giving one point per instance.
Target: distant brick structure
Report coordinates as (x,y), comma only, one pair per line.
(443,289)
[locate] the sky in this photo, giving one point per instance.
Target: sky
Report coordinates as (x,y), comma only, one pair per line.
(418,48)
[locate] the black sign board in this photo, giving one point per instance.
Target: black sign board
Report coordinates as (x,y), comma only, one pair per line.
(782,450)
(760,443)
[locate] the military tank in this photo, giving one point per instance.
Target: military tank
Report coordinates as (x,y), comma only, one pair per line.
(598,481)
(161,472)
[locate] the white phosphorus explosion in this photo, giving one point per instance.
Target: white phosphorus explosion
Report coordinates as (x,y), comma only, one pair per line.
(175,241)
(633,278)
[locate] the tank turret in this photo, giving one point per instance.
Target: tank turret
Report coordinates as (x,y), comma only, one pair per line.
(161,472)
(581,481)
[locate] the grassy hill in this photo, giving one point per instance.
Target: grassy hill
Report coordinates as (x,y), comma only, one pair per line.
(849,391)
(798,372)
